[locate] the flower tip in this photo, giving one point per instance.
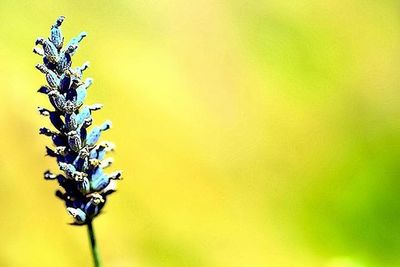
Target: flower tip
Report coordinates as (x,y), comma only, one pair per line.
(43,90)
(49,175)
(106,125)
(43,111)
(89,81)
(110,188)
(95,107)
(117,175)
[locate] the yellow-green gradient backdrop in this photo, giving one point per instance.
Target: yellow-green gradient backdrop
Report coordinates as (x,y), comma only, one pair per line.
(251,133)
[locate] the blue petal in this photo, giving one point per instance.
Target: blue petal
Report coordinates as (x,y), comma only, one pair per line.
(99,180)
(55,33)
(94,135)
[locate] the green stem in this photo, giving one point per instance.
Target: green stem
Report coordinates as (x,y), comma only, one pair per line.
(95,252)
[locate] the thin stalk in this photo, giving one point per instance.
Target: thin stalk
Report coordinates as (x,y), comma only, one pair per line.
(95,252)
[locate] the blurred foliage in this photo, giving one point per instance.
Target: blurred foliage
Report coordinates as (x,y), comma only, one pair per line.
(251,133)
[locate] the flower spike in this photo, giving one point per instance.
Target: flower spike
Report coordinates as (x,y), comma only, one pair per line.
(81,159)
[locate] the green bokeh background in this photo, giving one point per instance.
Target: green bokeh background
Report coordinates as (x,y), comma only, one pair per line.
(251,133)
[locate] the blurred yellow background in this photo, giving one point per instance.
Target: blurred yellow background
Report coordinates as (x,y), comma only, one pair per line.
(251,133)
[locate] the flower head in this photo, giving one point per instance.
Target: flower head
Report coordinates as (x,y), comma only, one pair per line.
(81,159)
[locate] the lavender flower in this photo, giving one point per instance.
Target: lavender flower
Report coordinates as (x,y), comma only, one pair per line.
(80,157)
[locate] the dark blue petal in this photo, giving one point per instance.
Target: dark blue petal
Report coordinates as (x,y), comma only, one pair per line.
(59,140)
(50,65)
(65,83)
(44,90)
